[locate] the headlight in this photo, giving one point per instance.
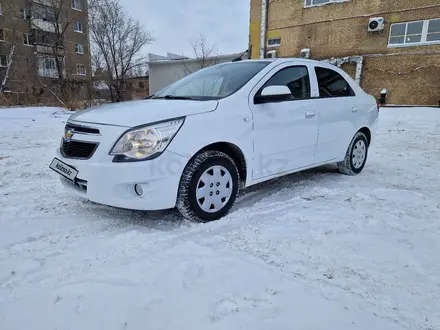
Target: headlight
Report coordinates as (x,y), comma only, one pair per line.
(145,142)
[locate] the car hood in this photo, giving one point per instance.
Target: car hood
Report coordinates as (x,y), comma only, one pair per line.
(134,113)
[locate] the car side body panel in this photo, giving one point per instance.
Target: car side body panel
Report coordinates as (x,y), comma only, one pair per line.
(340,118)
(235,121)
(284,133)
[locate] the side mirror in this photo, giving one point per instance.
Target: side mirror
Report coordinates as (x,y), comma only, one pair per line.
(276,90)
(277,93)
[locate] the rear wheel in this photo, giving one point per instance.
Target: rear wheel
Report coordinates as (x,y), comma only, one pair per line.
(208,187)
(356,156)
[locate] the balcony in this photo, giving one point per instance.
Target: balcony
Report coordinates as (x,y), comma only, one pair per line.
(49,3)
(44,41)
(45,15)
(46,26)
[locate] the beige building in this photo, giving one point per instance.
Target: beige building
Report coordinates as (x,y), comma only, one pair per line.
(28,32)
(393,44)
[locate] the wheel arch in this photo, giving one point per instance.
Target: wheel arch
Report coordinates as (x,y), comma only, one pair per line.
(233,151)
(366,131)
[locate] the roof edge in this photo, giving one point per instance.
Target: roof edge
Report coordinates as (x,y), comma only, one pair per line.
(226,56)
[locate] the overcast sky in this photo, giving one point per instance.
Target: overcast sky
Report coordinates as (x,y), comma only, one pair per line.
(225,23)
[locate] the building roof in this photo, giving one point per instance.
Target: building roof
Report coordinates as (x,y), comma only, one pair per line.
(169,56)
(165,59)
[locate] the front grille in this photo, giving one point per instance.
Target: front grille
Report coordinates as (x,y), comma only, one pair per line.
(79,185)
(81,129)
(78,149)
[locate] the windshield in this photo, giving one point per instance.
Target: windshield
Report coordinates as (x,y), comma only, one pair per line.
(214,82)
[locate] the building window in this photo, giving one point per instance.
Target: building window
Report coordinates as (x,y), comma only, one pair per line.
(25,13)
(81,70)
(47,67)
(76,4)
(26,39)
(49,63)
(415,33)
(273,42)
(433,30)
(332,84)
(312,3)
(3,61)
(77,27)
(1,10)
(79,49)
(2,35)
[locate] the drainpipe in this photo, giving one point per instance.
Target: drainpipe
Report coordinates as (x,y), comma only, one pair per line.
(264,4)
(359,67)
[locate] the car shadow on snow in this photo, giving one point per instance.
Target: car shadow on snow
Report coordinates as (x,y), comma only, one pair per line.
(254,194)
(165,220)
(168,220)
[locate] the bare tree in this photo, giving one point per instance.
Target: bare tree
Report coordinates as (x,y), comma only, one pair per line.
(203,50)
(205,53)
(12,35)
(49,20)
(117,43)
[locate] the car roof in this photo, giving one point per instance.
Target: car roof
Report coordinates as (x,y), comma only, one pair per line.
(283,60)
(276,61)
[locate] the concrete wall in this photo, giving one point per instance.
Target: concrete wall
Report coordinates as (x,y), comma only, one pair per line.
(411,74)
(163,73)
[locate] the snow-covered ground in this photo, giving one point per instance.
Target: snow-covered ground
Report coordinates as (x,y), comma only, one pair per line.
(315,250)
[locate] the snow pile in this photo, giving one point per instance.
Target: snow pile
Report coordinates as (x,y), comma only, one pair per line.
(315,250)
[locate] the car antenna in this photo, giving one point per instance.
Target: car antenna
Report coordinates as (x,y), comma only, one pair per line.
(240,58)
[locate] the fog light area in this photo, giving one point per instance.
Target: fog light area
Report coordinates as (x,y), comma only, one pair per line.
(138,189)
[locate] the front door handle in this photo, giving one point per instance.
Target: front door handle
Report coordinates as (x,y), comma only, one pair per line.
(354,109)
(310,114)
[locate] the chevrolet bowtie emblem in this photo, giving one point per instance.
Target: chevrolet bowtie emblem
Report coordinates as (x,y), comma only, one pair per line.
(68,134)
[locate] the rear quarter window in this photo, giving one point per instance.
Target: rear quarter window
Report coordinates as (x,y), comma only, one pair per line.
(332,84)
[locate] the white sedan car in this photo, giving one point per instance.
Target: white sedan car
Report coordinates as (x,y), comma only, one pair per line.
(195,143)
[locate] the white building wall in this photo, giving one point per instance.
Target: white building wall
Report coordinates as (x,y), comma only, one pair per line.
(164,73)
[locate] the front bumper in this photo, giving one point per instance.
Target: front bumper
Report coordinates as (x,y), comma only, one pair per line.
(104,182)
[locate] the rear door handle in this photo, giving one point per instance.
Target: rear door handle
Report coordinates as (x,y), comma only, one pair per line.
(354,109)
(310,114)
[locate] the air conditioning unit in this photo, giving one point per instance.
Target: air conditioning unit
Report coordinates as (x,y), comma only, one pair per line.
(376,24)
(305,53)
(272,54)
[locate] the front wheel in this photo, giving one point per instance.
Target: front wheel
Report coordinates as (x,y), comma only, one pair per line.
(208,187)
(356,156)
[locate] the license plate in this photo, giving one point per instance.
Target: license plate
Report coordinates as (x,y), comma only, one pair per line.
(65,170)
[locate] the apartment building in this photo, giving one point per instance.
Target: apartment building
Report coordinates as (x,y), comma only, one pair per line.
(391,45)
(33,33)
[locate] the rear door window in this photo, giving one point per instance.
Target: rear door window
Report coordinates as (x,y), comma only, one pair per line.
(332,84)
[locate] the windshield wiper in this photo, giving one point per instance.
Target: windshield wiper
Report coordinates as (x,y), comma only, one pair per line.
(172,97)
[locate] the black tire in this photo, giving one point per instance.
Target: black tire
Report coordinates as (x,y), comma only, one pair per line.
(187,203)
(347,166)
